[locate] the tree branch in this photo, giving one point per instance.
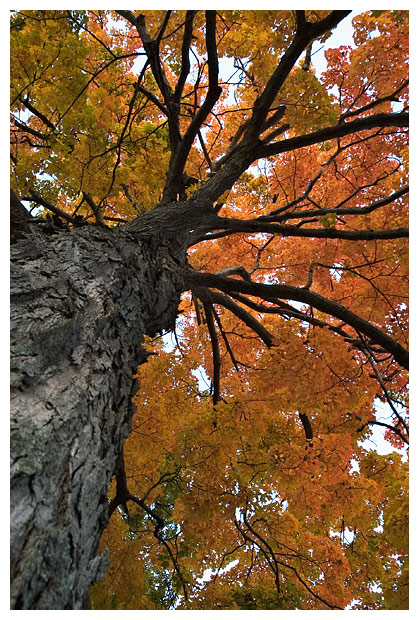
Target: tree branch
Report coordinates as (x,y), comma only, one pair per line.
(274,216)
(373,104)
(216,361)
(224,336)
(245,153)
(395,430)
(151,47)
(121,498)
(185,67)
(56,210)
(37,113)
(95,208)
(308,431)
(256,226)
(243,315)
(396,119)
(196,279)
(178,162)
(31,131)
(250,148)
(306,32)
(273,561)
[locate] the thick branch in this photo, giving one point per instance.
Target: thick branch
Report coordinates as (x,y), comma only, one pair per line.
(31,131)
(151,47)
(243,315)
(306,32)
(45,203)
(275,215)
(224,336)
(95,208)
(397,119)
(37,113)
(246,153)
(151,97)
(178,163)
(308,431)
(216,361)
(303,295)
(186,44)
(257,226)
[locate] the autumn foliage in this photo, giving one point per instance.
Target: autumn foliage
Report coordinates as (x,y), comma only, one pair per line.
(255,475)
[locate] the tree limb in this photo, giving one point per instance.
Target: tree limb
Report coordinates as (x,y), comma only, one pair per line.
(216,361)
(214,90)
(284,291)
(243,315)
(246,152)
(384,119)
(185,67)
(256,226)
(37,113)
(45,203)
(373,104)
(306,32)
(274,216)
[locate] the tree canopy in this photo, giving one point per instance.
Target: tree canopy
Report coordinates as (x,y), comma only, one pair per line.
(250,479)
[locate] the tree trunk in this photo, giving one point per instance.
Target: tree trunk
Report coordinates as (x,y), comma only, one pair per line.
(81,301)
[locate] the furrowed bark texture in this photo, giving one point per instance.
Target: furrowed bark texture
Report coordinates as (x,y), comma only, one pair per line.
(81,302)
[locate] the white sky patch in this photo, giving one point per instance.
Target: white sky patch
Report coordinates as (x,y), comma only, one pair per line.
(337,272)
(346,536)
(354,466)
(204,381)
(209,572)
(169,341)
(341,36)
(376,440)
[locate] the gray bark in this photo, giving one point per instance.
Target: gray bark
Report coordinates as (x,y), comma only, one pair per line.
(81,301)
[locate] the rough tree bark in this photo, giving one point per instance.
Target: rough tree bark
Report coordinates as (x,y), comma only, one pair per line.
(81,301)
